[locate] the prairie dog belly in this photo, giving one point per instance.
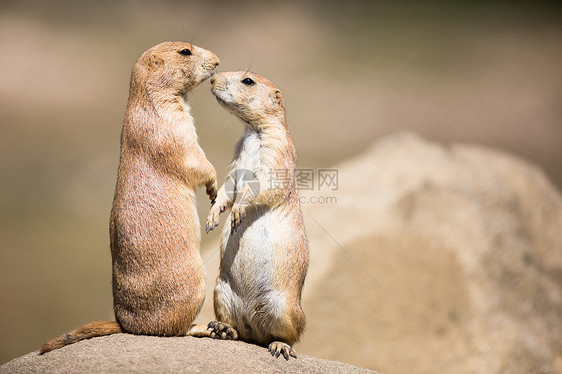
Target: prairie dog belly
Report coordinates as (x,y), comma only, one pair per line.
(248,255)
(248,279)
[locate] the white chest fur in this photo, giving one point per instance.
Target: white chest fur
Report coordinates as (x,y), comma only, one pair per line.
(187,127)
(249,157)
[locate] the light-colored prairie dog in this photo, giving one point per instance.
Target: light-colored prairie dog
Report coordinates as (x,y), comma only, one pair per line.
(158,276)
(264,251)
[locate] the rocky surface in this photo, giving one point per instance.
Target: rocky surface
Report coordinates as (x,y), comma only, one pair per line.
(124,353)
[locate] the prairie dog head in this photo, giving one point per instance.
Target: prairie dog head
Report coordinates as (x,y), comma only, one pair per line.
(174,67)
(251,97)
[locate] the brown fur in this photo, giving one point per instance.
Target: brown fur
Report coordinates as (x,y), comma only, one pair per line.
(87,331)
(158,279)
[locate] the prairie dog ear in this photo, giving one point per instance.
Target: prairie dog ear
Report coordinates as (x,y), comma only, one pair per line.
(276,98)
(155,61)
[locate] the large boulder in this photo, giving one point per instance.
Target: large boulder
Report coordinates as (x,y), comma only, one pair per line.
(125,353)
(436,258)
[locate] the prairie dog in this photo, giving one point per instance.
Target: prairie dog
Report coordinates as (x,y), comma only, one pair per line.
(158,278)
(264,250)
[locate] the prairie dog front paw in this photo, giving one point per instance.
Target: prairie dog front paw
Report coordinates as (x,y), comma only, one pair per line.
(237,213)
(212,191)
(214,215)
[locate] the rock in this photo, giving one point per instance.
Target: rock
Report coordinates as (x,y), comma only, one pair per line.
(436,258)
(125,353)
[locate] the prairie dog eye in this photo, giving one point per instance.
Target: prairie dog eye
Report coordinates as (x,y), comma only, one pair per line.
(185,52)
(248,81)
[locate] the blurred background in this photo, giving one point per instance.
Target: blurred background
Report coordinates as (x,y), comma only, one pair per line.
(480,72)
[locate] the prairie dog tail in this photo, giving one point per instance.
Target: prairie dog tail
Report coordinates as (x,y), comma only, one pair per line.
(87,331)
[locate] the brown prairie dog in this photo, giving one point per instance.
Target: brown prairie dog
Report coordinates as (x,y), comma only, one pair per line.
(264,250)
(158,276)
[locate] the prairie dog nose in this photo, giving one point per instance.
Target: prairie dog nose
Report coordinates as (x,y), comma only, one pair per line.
(214,60)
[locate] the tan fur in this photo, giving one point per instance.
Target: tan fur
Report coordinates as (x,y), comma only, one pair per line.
(158,278)
(264,252)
